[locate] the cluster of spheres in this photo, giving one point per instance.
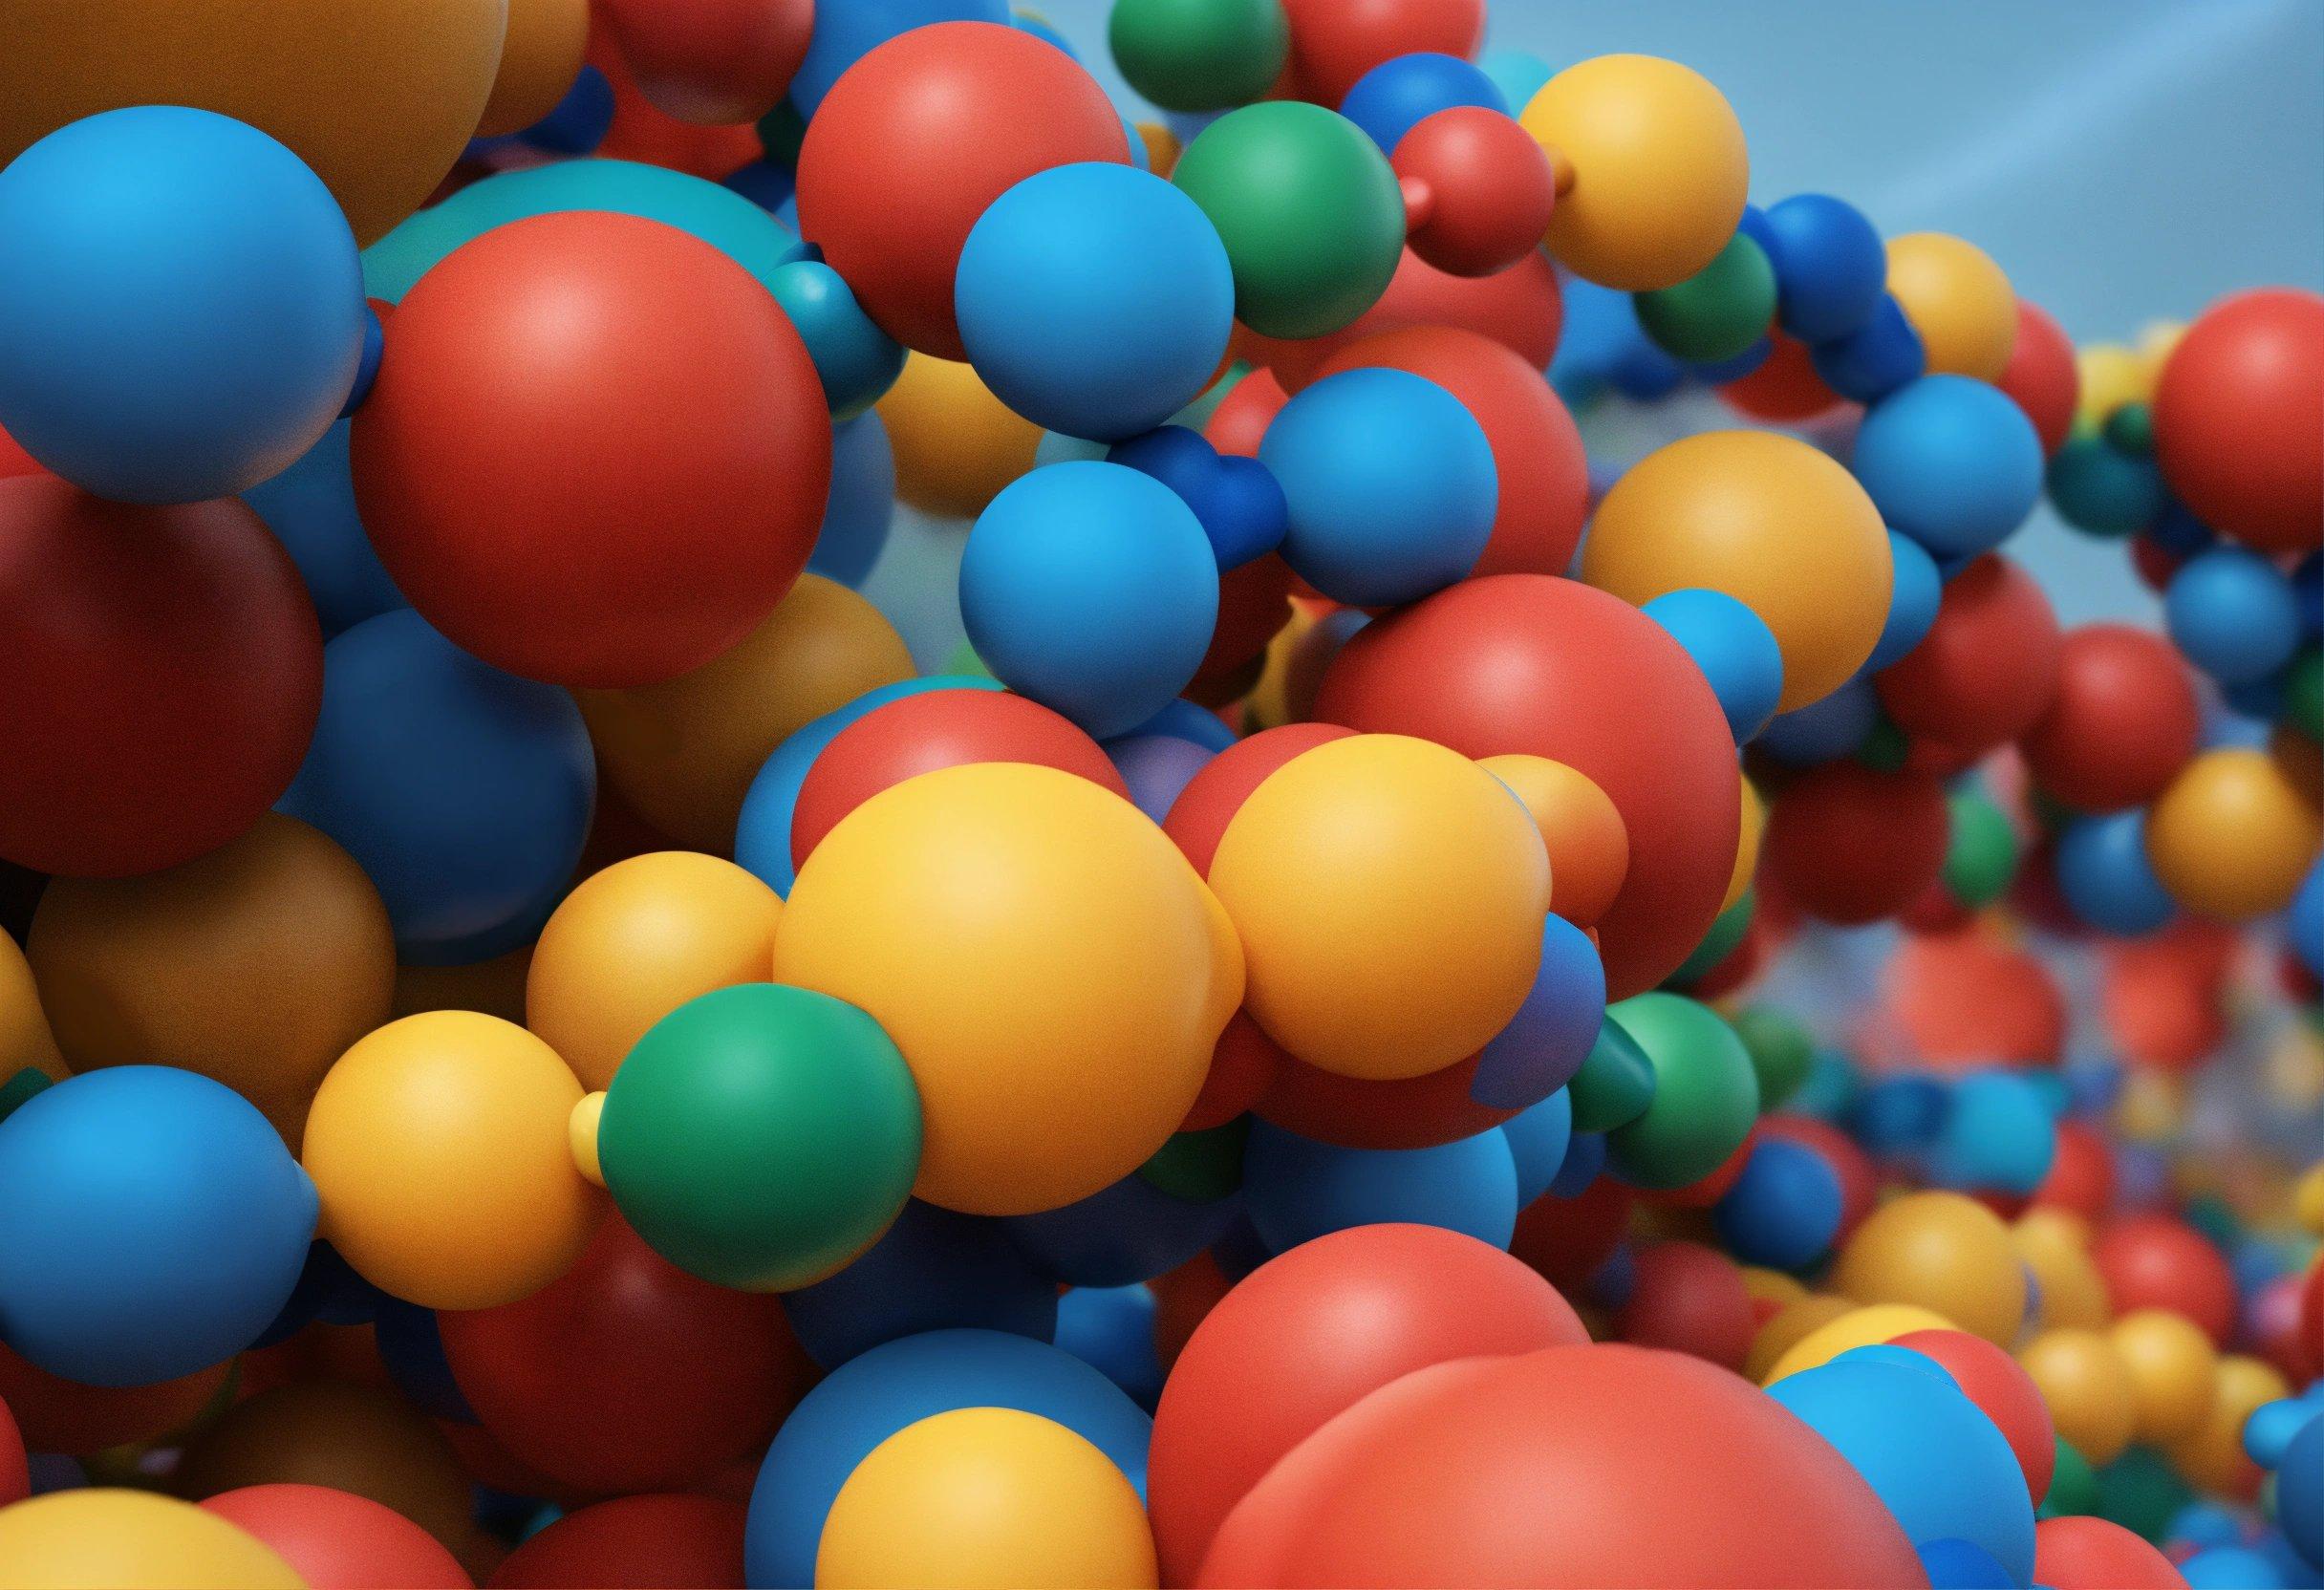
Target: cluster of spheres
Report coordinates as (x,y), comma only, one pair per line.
(1414,1008)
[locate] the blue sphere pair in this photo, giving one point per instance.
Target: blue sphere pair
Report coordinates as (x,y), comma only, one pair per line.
(1999,1135)
(2103,872)
(860,508)
(1734,648)
(184,305)
(311,508)
(1831,269)
(2234,615)
(1296,1189)
(1784,1209)
(1952,462)
(1237,500)
(1095,299)
(1876,358)
(934,1269)
(1392,486)
(1403,90)
(1553,1031)
(1091,589)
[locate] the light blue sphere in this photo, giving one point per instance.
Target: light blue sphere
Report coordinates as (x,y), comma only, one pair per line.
(1734,648)
(1950,462)
(2234,615)
(2103,872)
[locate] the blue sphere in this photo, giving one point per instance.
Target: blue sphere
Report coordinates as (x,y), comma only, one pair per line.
(1915,592)
(184,305)
(2098,487)
(311,508)
(1297,1189)
(2234,615)
(1876,358)
(1091,589)
(1553,1031)
(2299,1500)
(1132,1231)
(1518,74)
(1392,486)
(156,1225)
(2304,922)
(860,507)
(1734,648)
(1957,1565)
(1825,730)
(1403,90)
(1111,1329)
(1952,462)
(934,1269)
(1999,1135)
(1157,768)
(578,122)
(870,1398)
(1183,720)
(1831,269)
(1784,1209)
(855,361)
(2230,1568)
(847,33)
(2103,872)
(1237,500)
(1095,299)
(1539,1137)
(1898,1114)
(1584,1159)
(463,792)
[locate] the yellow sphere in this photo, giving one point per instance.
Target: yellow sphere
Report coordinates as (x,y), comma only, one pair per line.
(1788,1326)
(2055,1246)
(683,752)
(539,61)
(25,1037)
(1773,1286)
(1959,301)
(1943,1252)
(985,1498)
(1769,520)
(440,1146)
(1390,894)
(956,443)
(2232,836)
(634,942)
(2211,1458)
(101,1539)
(2173,1367)
(2111,376)
(2308,1199)
(2092,1399)
(1046,960)
(380,98)
(1746,845)
(1867,1326)
(1660,171)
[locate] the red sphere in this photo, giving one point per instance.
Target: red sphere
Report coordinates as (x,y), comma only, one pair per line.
(2163,1012)
(1411,1112)
(1988,668)
(1851,846)
(2239,418)
(2155,1261)
(1243,1066)
(916,138)
(2123,721)
(2041,376)
(596,452)
(1490,189)
(15,1479)
(1962,1000)
(713,62)
(53,1414)
(337,1541)
(15,460)
(1198,818)
(2003,1393)
(1568,1240)
(1519,308)
(1548,667)
(641,131)
(1254,605)
(1310,1334)
(936,728)
(1691,1299)
(634,1543)
(2081,1172)
(1545,479)
(2074,1552)
(1785,389)
(163,671)
(1240,420)
(627,1373)
(1334,42)
(1573,1466)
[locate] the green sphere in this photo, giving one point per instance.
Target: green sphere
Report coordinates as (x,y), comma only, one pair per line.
(1310,213)
(2101,489)
(1199,55)
(1614,1084)
(2304,694)
(1200,1165)
(1981,855)
(761,1136)
(2073,1490)
(1718,942)
(1781,1052)
(1717,312)
(2142,1492)
(1706,1094)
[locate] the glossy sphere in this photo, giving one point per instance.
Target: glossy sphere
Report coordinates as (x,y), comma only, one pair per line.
(1943,1252)
(712,61)
(1199,56)
(2089,1390)
(2232,835)
(131,1540)
(1949,461)
(2173,1367)
(2041,376)
(2003,1391)
(2154,1262)
(1589,851)
(337,1541)
(956,443)
(1988,668)
(2234,615)
(1705,1096)
(2239,418)
(1491,189)
(1959,302)
(2123,721)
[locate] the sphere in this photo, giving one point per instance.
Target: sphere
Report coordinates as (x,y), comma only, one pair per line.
(164,656)
(1718,313)
(2232,835)
(1706,1094)
(2041,376)
(2213,1456)
(311,508)
(1092,589)
(132,1540)
(2077,1552)
(1392,485)
(1309,208)
(1851,846)
(1829,264)
(540,62)
(2103,490)
(1660,170)
(2121,721)
(1957,300)
(2174,1369)
(256,965)
(1767,520)
(191,310)
(157,1225)
(439,1147)
(691,1539)
(1296,1190)
(2003,1393)
(2239,418)
(1687,1298)
(916,139)
(933,1270)
(1528,664)
(710,62)
(1589,851)
(1988,668)
(1094,299)
(2103,872)
(463,792)
(2089,1390)
(1943,1252)
(683,753)
(2155,1261)
(1521,308)
(1826,1332)
(1003,924)
(1199,55)
(337,1541)
(1784,1209)
(2233,614)
(679,515)
(1549,1038)
(861,508)
(1734,648)
(1951,462)
(956,443)
(1491,189)
(1392,98)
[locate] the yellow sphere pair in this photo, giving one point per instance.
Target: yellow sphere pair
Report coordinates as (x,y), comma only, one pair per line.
(1959,301)
(103,1539)
(2233,835)
(1660,170)
(1390,894)
(985,1498)
(634,942)
(1792,1324)
(1943,1252)
(956,443)
(1767,520)
(440,1146)
(1052,969)
(2092,1394)
(2055,1246)
(2174,1371)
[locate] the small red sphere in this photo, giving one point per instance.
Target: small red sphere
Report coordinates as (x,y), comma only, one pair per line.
(2041,376)
(2239,418)
(2155,1261)
(1850,845)
(1785,390)
(1568,1240)
(1490,187)
(2123,721)
(1988,668)
(1964,999)
(1519,308)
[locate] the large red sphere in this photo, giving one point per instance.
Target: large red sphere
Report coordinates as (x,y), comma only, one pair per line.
(1310,1334)
(2155,1261)
(2041,376)
(913,144)
(2003,1393)
(1850,845)
(2073,1552)
(2239,418)
(1548,667)
(2123,723)
(337,1541)
(1334,42)
(1573,1466)
(596,452)
(634,1543)
(1988,668)
(164,669)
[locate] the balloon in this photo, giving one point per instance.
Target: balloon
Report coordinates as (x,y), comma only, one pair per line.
(1784,1209)
(337,1541)
(311,508)
(1687,1298)
(2092,1554)
(1767,520)
(132,1540)
(1938,1251)
(2123,719)
(632,1540)
(463,792)
(157,1224)
(1092,589)
(2003,1393)
(1957,300)
(1298,1189)
(678,516)
(1734,648)
(1094,299)
(1829,265)
(2238,415)
(2041,377)
(1704,1099)
(2233,614)
(1491,189)
(164,657)
(439,1144)
(1949,461)
(1204,56)
(2154,1262)
(2088,1386)
(2174,1369)
(712,61)
(2232,836)
(916,139)
(540,62)
(1392,98)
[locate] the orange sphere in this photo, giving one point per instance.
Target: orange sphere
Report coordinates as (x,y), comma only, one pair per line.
(1590,850)
(1959,301)
(539,61)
